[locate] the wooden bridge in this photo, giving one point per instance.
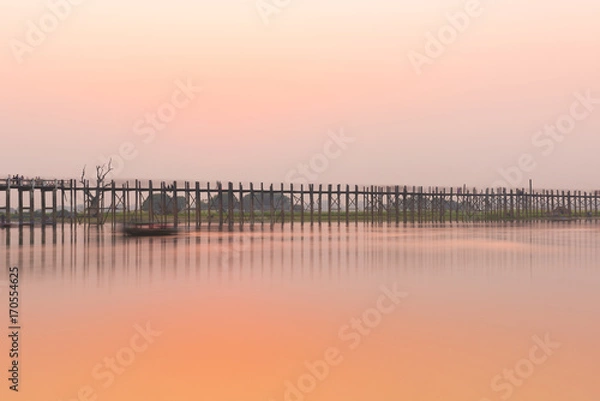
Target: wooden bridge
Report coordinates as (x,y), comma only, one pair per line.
(29,202)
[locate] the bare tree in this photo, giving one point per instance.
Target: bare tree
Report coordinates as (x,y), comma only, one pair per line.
(94,196)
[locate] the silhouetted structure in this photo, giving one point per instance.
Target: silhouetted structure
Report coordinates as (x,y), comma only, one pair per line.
(59,202)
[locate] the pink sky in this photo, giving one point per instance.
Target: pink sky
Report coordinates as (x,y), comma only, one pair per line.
(272,92)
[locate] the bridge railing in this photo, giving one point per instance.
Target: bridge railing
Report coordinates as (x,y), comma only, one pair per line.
(28,182)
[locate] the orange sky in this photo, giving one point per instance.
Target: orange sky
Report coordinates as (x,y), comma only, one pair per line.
(272,91)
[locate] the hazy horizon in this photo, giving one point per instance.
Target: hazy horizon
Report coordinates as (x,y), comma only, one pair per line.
(273,93)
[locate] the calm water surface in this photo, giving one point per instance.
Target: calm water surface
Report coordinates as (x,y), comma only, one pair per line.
(486,313)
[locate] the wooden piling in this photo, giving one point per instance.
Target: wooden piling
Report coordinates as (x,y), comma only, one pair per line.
(137,208)
(73,201)
(175,205)
(54,202)
(356,207)
(198,205)
(113,197)
(302,207)
(43,204)
(220,204)
(188,205)
(451,204)
(230,206)
(8,189)
(281,200)
(126,203)
(320,205)
(209,204)
(405,205)
(347,205)
(339,204)
(150,202)
(372,203)
(292,204)
(311,197)
(252,206)
(262,204)
(241,206)
(272,205)
(329,204)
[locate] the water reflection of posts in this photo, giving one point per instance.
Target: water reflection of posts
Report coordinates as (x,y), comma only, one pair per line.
(301,270)
(262,256)
(187,251)
(289,239)
(286,255)
(241,251)
(199,257)
(113,255)
(281,250)
(311,266)
(150,259)
(101,257)
(251,256)
(175,249)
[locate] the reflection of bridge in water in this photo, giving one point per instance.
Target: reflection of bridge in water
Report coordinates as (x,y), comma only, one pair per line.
(69,202)
(96,257)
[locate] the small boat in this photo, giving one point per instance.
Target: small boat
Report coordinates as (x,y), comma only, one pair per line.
(148,229)
(562,218)
(4,223)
